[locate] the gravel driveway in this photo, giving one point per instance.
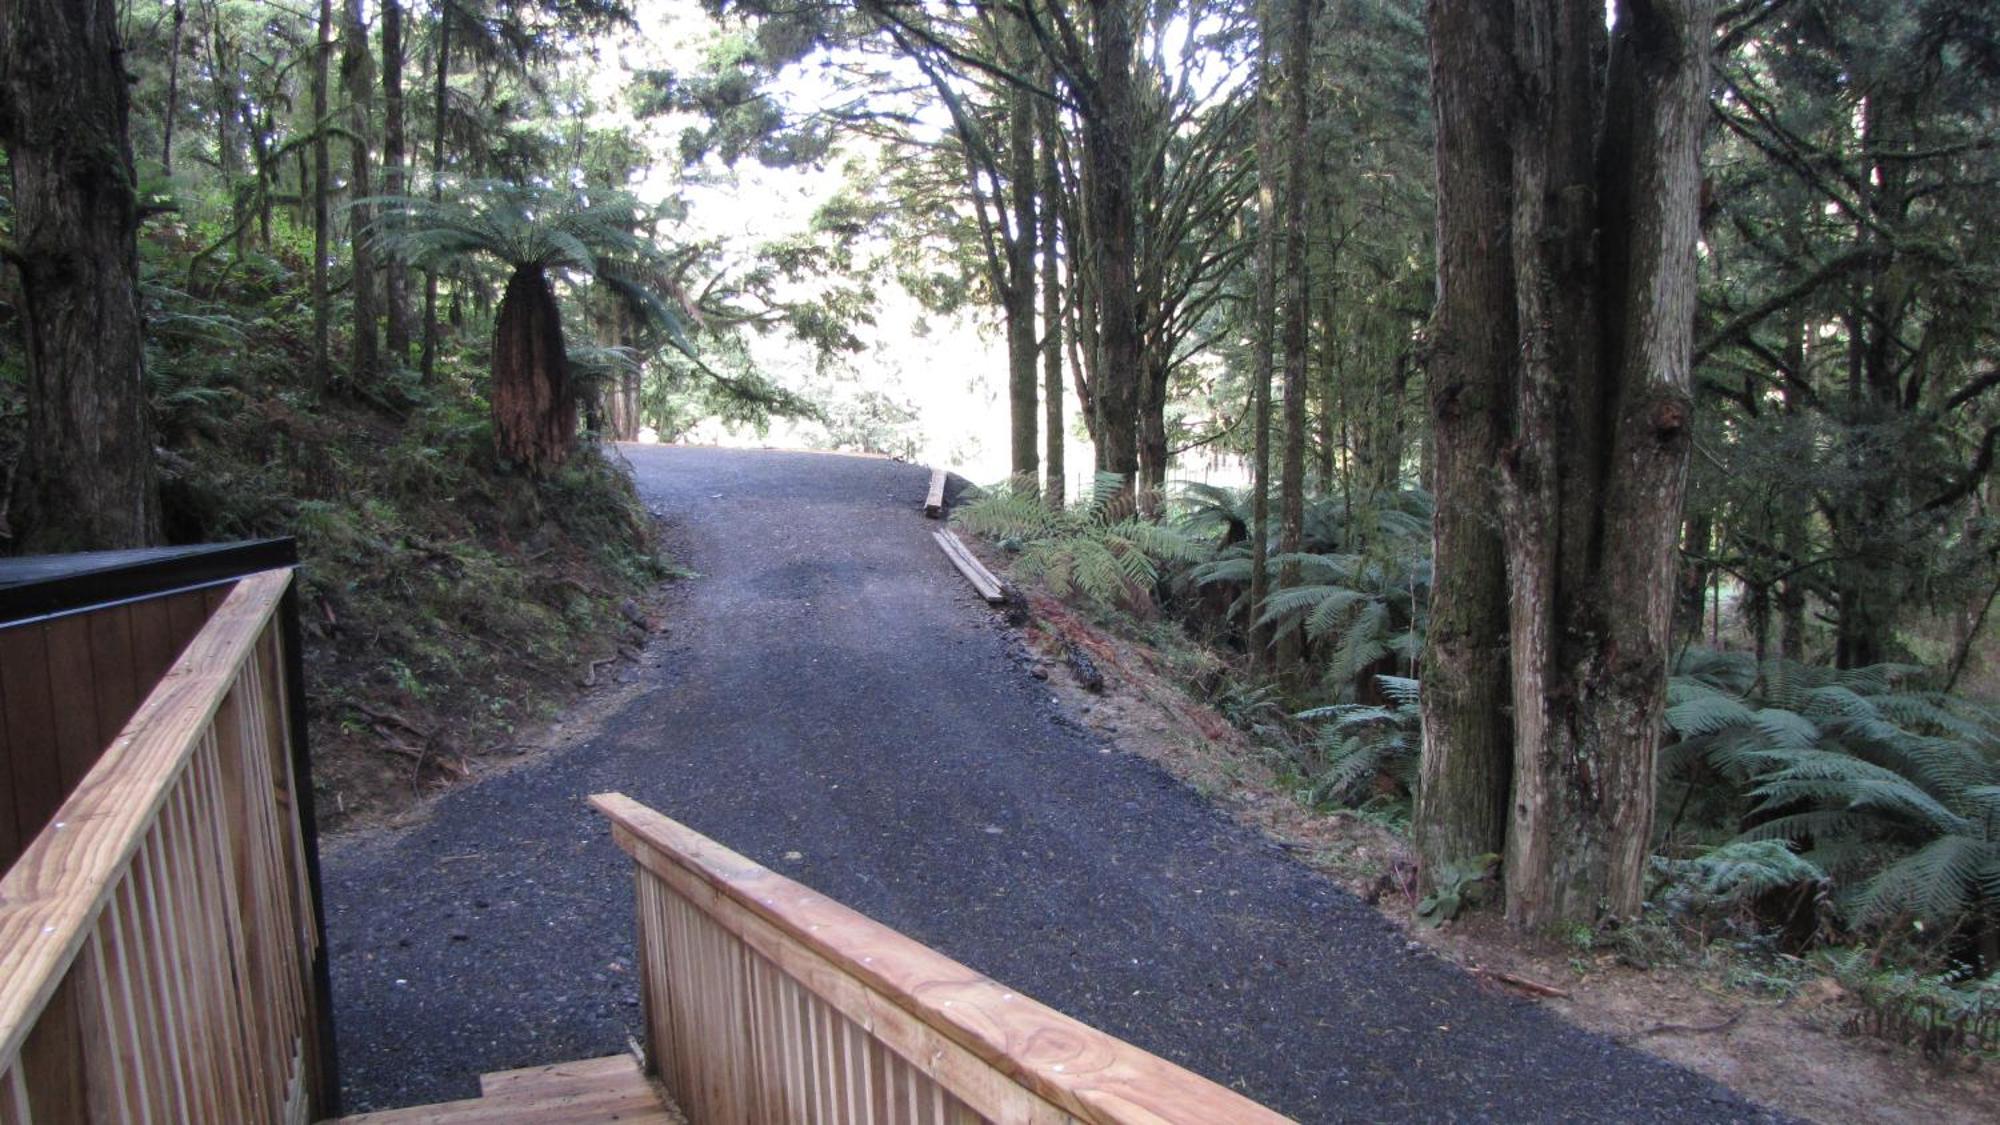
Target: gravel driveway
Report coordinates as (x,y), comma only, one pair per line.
(835,704)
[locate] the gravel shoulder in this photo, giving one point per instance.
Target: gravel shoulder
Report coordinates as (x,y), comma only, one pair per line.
(832,701)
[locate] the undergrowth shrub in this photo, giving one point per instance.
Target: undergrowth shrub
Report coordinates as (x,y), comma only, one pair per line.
(1893,791)
(1103,550)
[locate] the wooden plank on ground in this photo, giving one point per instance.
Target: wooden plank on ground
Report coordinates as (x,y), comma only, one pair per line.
(969,565)
(934,503)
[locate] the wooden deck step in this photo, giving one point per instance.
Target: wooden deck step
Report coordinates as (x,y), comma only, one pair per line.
(587,1091)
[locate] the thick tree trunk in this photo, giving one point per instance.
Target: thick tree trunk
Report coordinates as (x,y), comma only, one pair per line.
(395,178)
(322,362)
(1108,148)
(358,79)
(1467,764)
(534,403)
(1603,239)
(1052,311)
(89,482)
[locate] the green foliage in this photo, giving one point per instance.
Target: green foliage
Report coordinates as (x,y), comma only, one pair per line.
(1457,887)
(1363,583)
(1361,745)
(1894,792)
(1943,1013)
(1101,551)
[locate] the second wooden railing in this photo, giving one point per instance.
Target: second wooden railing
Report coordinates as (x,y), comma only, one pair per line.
(768,1002)
(157,937)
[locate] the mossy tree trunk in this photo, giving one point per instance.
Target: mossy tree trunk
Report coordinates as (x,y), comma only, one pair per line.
(1468,750)
(534,402)
(89,481)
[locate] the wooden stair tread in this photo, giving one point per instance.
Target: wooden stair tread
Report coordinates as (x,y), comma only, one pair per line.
(562,1075)
(589,1090)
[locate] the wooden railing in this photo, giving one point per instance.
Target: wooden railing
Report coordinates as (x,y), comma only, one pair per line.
(157,937)
(768,1002)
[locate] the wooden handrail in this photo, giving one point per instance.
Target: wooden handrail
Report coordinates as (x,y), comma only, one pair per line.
(168,895)
(996,1053)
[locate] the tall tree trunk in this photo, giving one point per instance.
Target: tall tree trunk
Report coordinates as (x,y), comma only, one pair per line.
(64,107)
(222,70)
(441,75)
(173,91)
(1467,763)
(1153,451)
(1292,478)
(534,402)
(1604,224)
(1329,390)
(1263,335)
(1108,131)
(1022,353)
(395,178)
(1052,314)
(322,364)
(358,79)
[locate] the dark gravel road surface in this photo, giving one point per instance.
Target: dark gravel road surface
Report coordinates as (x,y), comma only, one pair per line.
(834,703)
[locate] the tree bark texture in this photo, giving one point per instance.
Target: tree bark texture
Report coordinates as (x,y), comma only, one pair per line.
(1108,126)
(322,362)
(89,481)
(534,402)
(442,85)
(1263,336)
(357,78)
(1591,241)
(395,178)
(1467,761)
(1605,208)
(1292,476)
(1052,311)
(173,91)
(1023,351)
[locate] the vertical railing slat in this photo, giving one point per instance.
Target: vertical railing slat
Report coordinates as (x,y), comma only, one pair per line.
(156,941)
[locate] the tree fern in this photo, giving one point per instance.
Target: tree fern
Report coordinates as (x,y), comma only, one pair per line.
(1099,550)
(1359,743)
(1894,792)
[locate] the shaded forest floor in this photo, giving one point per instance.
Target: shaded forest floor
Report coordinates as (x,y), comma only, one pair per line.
(1783,1035)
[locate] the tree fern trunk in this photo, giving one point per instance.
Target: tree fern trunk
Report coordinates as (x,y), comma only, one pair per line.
(534,404)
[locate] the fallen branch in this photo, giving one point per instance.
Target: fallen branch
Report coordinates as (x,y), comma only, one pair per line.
(590,673)
(1683,1029)
(1531,987)
(392,718)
